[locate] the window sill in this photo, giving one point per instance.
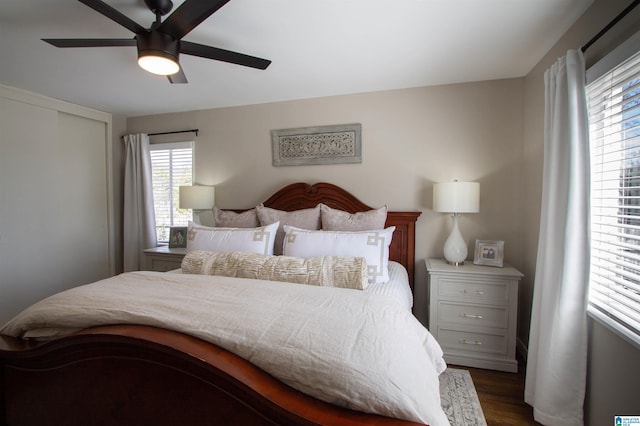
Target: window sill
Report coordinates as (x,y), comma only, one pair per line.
(614,326)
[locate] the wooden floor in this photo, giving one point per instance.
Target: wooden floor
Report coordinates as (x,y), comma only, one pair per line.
(502,396)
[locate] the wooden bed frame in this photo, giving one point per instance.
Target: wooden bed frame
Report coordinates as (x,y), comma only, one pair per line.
(140,375)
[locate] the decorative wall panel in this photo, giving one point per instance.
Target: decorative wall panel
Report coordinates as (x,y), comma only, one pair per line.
(317,145)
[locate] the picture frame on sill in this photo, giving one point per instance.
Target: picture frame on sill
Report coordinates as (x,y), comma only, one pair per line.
(489,253)
(178,237)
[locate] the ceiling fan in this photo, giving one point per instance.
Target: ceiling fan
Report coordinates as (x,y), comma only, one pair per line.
(160,45)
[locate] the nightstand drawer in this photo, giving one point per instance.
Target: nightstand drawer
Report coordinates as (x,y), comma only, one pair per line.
(472,341)
(163,258)
(162,265)
(475,315)
(474,290)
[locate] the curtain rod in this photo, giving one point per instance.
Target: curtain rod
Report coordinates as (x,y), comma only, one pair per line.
(610,25)
(181,131)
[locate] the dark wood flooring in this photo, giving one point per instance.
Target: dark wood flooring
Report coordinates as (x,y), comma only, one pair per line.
(502,396)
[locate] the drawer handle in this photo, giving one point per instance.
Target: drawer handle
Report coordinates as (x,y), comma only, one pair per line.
(471,342)
(480,292)
(471,316)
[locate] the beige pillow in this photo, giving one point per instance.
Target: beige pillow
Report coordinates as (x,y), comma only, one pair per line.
(231,219)
(338,220)
(305,219)
(327,271)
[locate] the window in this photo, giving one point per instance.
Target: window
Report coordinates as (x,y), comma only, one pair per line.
(172,167)
(614,127)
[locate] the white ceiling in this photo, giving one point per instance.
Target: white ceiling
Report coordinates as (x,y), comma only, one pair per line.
(318,48)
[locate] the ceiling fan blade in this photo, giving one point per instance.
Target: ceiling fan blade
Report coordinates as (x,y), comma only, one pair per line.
(178,78)
(188,16)
(90,42)
(114,15)
(209,52)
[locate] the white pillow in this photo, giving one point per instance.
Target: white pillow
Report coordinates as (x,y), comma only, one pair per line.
(372,245)
(252,240)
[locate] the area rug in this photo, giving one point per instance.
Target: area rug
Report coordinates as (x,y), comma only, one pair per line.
(459,398)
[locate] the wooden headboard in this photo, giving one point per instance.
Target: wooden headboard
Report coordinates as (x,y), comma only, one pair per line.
(301,195)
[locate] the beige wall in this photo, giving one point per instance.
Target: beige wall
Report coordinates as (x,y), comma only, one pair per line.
(410,139)
(614,392)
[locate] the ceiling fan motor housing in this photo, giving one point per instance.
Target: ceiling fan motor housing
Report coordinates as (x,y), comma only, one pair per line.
(159,7)
(155,43)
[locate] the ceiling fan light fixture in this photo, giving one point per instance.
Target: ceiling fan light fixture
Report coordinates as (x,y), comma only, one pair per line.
(160,45)
(158,53)
(157,64)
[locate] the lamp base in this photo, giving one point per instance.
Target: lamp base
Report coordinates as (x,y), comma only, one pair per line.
(455,248)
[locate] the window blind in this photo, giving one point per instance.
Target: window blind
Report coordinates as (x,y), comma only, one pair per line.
(172,167)
(614,127)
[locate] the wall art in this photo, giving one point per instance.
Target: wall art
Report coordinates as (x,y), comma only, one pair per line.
(317,145)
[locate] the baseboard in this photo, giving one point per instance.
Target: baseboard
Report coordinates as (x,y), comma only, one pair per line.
(478,361)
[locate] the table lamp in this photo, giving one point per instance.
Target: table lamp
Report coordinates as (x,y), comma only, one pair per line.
(198,197)
(456,197)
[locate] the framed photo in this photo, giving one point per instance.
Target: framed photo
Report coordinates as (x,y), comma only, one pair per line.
(178,237)
(489,253)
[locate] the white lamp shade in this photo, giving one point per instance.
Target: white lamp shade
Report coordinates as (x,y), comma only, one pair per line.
(196,197)
(456,197)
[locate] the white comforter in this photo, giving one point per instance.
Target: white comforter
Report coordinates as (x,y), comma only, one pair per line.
(342,346)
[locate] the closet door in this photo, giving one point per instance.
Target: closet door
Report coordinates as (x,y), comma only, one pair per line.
(54,204)
(80,199)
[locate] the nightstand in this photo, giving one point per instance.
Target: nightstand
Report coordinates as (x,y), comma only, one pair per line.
(163,258)
(473,312)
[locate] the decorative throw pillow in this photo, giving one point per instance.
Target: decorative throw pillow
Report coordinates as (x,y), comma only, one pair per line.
(305,219)
(231,219)
(338,220)
(254,240)
(327,271)
(372,245)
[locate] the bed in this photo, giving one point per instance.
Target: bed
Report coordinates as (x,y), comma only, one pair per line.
(142,372)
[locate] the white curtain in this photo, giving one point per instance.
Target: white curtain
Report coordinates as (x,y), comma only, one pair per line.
(139,220)
(557,356)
